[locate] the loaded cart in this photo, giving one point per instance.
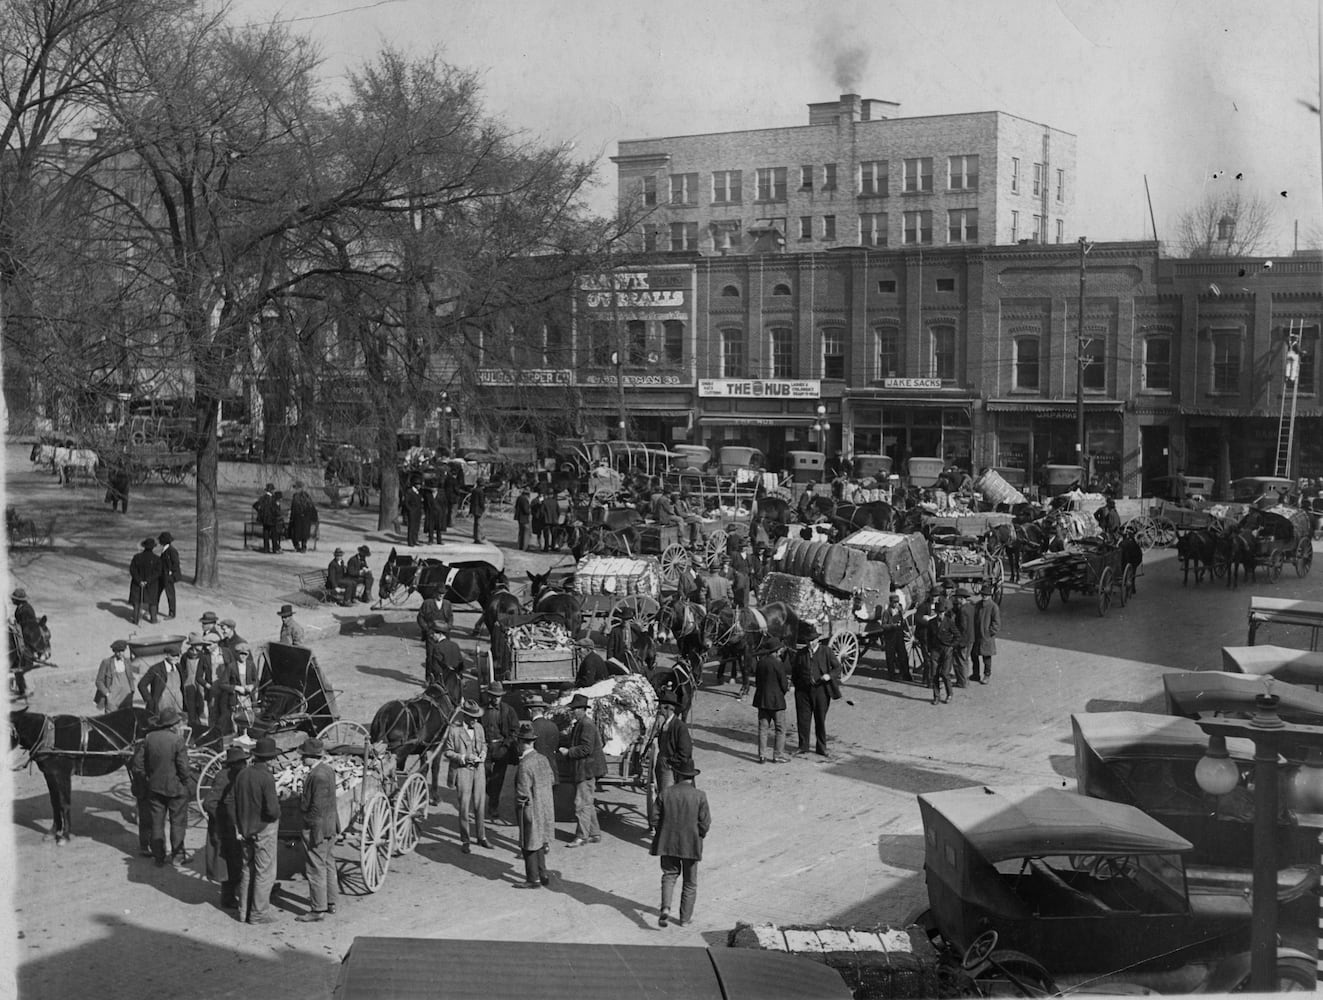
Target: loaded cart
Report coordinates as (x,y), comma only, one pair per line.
(616,587)
(531,649)
(1284,536)
(1092,567)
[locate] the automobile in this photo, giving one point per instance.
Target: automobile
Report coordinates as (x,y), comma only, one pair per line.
(923,471)
(693,457)
(1195,693)
(732,458)
(1251,488)
(1182,488)
(1046,888)
(872,466)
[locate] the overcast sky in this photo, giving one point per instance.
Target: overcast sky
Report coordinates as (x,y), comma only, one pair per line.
(1190,92)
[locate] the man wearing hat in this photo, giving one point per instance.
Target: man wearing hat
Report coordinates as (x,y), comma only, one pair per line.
(1108,519)
(199,677)
(170,570)
(548,735)
(116,679)
(144,579)
(893,628)
(267,513)
(535,810)
(967,619)
(813,667)
(339,585)
(435,607)
(257,819)
(948,638)
(320,825)
(466,750)
(592,667)
(411,512)
(35,641)
(236,683)
(224,852)
(675,748)
(683,820)
(589,763)
(445,660)
(523,515)
(770,686)
(169,782)
(302,517)
(291,632)
(500,723)
(360,575)
(987,623)
(162,686)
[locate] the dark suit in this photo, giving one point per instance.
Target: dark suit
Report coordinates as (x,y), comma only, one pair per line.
(432,524)
(170,574)
(267,510)
(550,518)
(523,515)
(157,682)
(810,672)
(257,819)
(359,576)
(987,623)
(144,584)
(967,614)
(320,825)
(770,685)
(223,845)
(169,782)
(589,762)
(411,509)
(501,724)
(683,821)
(547,742)
(675,748)
(338,581)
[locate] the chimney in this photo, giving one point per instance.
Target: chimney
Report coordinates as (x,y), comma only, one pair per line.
(851,107)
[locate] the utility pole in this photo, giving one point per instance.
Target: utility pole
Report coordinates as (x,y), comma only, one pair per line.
(1079,373)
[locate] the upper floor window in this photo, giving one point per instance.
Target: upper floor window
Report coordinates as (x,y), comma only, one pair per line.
(1061,185)
(873,178)
(1157,363)
(1015,226)
(829,227)
(887,286)
(684,189)
(727,187)
(771,183)
(730,291)
(806,227)
(637,332)
(806,177)
(829,177)
(918,227)
(887,340)
(945,284)
(1094,352)
(782,353)
(962,225)
(673,341)
(732,354)
(780,288)
(601,344)
(1015,175)
(650,234)
(1038,178)
(1040,229)
(1026,363)
(649,191)
(833,352)
(943,358)
(962,172)
(684,235)
(1306,374)
(873,229)
(1061,230)
(1226,361)
(919,174)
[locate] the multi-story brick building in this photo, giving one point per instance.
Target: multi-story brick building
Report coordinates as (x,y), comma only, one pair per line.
(855,175)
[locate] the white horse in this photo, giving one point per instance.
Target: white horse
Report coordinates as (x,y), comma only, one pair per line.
(68,461)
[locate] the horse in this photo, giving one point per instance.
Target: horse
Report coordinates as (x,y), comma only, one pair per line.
(852,516)
(597,539)
(461,583)
(1237,549)
(729,628)
(683,620)
(552,601)
(1197,549)
(617,518)
(64,745)
(417,726)
(774,514)
(502,605)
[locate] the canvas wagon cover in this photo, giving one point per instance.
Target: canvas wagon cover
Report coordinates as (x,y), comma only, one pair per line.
(908,561)
(1296,518)
(617,575)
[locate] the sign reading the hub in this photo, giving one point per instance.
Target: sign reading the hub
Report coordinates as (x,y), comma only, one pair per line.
(525,376)
(911,383)
(760,388)
(634,290)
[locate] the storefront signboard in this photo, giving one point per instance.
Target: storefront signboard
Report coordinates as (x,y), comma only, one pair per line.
(911,383)
(653,289)
(771,388)
(526,376)
(632,381)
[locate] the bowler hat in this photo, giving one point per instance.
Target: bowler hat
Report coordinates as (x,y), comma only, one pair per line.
(579,701)
(235,754)
(167,717)
(119,645)
(312,747)
(270,487)
(165,538)
(439,625)
(286,610)
(963,592)
(527,732)
(496,688)
(807,631)
(534,701)
(149,543)
(364,550)
(19,594)
(986,590)
(208,617)
(470,708)
(686,770)
(669,699)
(266,749)
(338,552)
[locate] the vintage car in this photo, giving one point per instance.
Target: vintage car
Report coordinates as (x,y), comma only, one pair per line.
(1196,693)
(1248,489)
(1059,888)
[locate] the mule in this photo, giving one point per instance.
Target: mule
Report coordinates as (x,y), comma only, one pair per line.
(460,583)
(64,745)
(1196,550)
(1235,550)
(418,725)
(553,601)
(503,605)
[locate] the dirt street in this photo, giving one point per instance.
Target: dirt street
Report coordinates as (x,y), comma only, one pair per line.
(835,842)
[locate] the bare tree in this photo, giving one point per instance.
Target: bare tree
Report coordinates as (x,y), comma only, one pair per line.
(1227,223)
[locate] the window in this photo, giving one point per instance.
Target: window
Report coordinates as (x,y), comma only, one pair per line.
(1308,357)
(649,191)
(918,227)
(833,352)
(873,178)
(1040,229)
(650,234)
(684,235)
(1094,353)
(919,174)
(1157,364)
(732,354)
(962,225)
(782,354)
(554,338)
(1015,175)
(1015,226)
(1061,185)
(873,229)
(943,356)
(829,177)
(887,339)
(1038,178)
(962,172)
(1061,230)
(727,187)
(771,183)
(806,227)
(684,189)
(600,342)
(946,284)
(829,227)
(673,341)
(887,286)
(1226,361)
(806,178)
(1026,363)
(636,331)
(730,291)
(781,288)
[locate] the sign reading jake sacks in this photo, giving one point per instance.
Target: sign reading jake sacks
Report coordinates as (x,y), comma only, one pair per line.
(760,388)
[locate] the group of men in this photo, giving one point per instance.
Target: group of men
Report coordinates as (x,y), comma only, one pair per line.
(426,510)
(268,513)
(153,575)
(957,635)
(351,582)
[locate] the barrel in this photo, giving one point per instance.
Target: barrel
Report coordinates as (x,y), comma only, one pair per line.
(997,490)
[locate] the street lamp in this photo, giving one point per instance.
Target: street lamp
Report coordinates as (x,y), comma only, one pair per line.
(447,413)
(823,428)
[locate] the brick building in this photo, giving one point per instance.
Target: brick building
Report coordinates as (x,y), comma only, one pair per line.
(855,175)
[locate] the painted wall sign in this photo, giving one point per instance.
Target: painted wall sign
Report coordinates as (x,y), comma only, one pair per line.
(527,376)
(755,388)
(631,381)
(911,383)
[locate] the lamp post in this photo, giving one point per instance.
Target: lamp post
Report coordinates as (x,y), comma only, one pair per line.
(1217,775)
(823,428)
(447,414)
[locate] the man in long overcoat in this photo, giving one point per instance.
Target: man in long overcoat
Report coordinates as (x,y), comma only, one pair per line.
(320,824)
(302,517)
(675,748)
(535,810)
(266,509)
(586,754)
(523,515)
(987,624)
(770,685)
(224,852)
(966,615)
(170,571)
(411,510)
(170,781)
(683,821)
(145,581)
(257,819)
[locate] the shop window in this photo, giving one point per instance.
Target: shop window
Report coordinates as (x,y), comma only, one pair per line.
(1226,361)
(782,353)
(637,331)
(1026,363)
(1157,364)
(887,339)
(732,354)
(943,353)
(1095,363)
(673,341)
(599,336)
(833,353)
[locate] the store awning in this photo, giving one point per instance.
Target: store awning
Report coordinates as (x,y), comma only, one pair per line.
(877,394)
(1052,407)
(1257,412)
(757,419)
(678,412)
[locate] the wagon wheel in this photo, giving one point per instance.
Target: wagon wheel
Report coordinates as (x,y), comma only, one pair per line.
(1127,583)
(1275,566)
(997,579)
(1106,581)
(716,547)
(376,841)
(1164,532)
(1064,591)
(207,765)
(641,607)
(846,647)
(343,733)
(673,557)
(1043,596)
(1144,530)
(1304,557)
(172,475)
(410,811)
(139,473)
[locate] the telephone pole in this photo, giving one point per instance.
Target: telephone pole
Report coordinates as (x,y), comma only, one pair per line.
(1079,373)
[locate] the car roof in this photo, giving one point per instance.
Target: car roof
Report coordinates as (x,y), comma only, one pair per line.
(1203,692)
(1126,735)
(1003,823)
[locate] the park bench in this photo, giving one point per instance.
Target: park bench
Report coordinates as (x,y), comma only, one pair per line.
(313,583)
(252,529)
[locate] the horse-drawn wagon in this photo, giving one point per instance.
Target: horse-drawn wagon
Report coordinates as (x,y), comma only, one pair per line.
(1284,535)
(1091,566)
(614,588)
(531,649)
(841,619)
(27,532)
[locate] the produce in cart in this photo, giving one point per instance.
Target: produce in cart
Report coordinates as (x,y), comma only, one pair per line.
(624,709)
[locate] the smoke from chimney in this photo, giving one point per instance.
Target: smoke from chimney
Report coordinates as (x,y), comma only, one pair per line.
(848,65)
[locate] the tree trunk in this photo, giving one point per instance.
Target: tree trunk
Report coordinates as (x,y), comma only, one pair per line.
(390,471)
(207,573)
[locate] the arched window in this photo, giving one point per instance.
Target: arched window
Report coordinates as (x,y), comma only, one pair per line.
(943,352)
(732,354)
(781,288)
(730,292)
(833,352)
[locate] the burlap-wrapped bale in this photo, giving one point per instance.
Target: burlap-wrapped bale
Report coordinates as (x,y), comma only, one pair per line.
(833,566)
(617,575)
(805,598)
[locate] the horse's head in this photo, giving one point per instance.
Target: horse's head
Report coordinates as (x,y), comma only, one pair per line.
(25,728)
(538,583)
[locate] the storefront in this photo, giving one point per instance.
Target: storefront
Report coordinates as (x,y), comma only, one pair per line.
(1028,434)
(908,418)
(776,416)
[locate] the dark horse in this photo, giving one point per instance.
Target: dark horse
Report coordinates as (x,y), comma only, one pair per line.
(418,726)
(552,601)
(503,605)
(734,631)
(1196,550)
(1237,549)
(847,517)
(683,619)
(64,745)
(774,514)
(596,539)
(460,583)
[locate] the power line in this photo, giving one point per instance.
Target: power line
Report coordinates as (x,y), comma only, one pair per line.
(329,13)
